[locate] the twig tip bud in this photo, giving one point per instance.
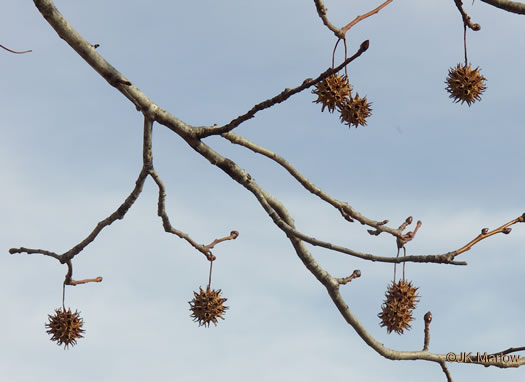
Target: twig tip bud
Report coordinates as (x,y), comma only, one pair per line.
(365,45)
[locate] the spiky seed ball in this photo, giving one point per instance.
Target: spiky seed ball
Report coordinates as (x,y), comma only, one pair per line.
(396,311)
(65,327)
(355,111)
(207,306)
(332,91)
(465,84)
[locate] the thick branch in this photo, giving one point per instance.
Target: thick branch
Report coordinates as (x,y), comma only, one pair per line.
(116,79)
(507,5)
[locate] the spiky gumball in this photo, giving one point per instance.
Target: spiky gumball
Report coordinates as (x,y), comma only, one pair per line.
(332,91)
(65,327)
(355,111)
(396,311)
(207,306)
(465,84)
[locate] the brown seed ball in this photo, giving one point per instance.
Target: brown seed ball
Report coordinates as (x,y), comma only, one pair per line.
(396,311)
(207,306)
(355,111)
(65,327)
(332,91)
(465,84)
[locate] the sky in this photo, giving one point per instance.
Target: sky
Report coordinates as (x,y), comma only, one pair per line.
(71,151)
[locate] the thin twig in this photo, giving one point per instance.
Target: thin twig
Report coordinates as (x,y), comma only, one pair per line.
(161,212)
(30,251)
(510,350)
(69,281)
(486,233)
(233,235)
(362,17)
(95,280)
(203,132)
(465,42)
(14,51)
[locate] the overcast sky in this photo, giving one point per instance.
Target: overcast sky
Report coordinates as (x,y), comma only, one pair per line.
(71,151)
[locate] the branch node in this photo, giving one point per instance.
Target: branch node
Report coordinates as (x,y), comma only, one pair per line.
(346,280)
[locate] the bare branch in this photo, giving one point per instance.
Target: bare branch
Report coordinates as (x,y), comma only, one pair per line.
(485,233)
(445,370)
(510,350)
(30,251)
(161,212)
(204,132)
(14,51)
(276,211)
(466,18)
(507,5)
(69,281)
(321,11)
(233,235)
(341,33)
(346,210)
(362,17)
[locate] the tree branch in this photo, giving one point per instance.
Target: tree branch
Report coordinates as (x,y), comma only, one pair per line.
(362,17)
(322,11)
(274,208)
(203,132)
(507,5)
(14,51)
(505,228)
(466,18)
(346,210)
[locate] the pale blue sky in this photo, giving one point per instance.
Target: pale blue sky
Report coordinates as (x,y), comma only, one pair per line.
(71,152)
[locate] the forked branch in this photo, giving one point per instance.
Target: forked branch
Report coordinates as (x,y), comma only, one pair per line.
(341,32)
